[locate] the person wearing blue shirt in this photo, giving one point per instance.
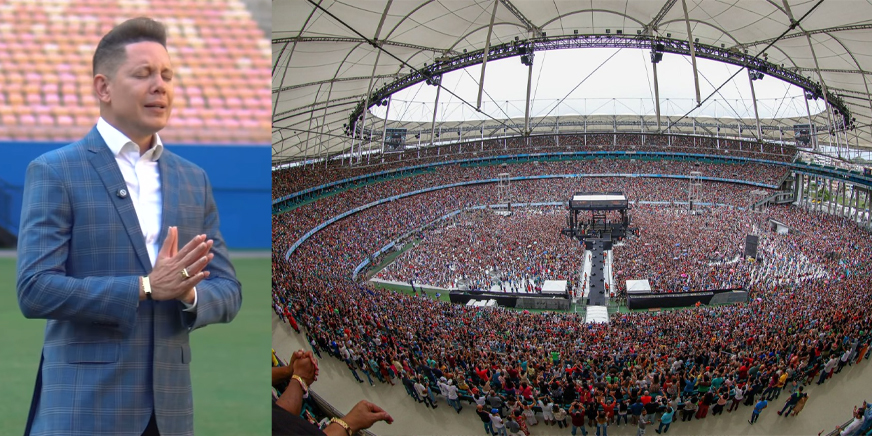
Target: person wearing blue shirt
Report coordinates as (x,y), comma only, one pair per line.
(665,420)
(867,418)
(762,404)
(636,409)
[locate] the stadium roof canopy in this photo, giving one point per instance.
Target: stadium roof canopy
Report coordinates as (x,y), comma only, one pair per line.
(325,64)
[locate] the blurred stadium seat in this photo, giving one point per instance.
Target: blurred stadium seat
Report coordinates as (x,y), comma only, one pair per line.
(221,58)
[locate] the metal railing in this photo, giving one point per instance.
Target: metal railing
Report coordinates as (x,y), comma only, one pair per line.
(777,198)
(332,412)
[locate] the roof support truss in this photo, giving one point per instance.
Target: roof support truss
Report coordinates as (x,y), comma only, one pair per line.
(652,26)
(526,22)
(385,43)
(338,79)
(675,46)
(810,32)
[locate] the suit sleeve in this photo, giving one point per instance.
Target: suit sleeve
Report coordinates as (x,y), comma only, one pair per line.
(44,289)
(219,297)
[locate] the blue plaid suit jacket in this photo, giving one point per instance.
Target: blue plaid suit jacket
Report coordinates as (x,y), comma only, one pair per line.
(108,359)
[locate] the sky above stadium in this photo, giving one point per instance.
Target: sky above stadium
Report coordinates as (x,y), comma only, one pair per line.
(598,82)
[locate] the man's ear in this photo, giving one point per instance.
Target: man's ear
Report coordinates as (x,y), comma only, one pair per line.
(101,88)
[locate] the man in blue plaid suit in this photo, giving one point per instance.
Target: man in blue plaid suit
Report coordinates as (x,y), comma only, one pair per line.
(98,257)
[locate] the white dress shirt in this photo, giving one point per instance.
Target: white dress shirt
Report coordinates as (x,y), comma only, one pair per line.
(142,177)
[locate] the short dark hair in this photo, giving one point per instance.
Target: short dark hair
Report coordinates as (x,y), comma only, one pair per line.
(112,49)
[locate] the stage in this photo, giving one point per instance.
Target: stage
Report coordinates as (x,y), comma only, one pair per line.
(685,299)
(544,301)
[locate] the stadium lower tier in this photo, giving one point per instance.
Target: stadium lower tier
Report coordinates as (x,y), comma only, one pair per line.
(798,326)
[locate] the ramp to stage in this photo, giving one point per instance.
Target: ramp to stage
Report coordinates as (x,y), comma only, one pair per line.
(597,290)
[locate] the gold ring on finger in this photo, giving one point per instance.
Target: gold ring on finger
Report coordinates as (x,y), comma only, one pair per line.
(185,273)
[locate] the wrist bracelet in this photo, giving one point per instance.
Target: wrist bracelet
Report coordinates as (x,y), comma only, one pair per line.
(343,424)
(302,383)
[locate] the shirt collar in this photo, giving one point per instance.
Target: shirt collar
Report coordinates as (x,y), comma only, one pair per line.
(116,140)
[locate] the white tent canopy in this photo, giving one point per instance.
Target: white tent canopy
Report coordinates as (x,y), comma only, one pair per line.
(554,287)
(638,287)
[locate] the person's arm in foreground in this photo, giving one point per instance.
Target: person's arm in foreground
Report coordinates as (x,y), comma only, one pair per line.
(362,416)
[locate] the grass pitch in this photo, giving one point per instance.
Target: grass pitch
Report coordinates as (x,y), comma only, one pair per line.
(229,369)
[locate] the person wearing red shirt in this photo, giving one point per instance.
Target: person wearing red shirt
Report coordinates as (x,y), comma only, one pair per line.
(526,391)
(743,372)
(482,374)
(609,408)
(646,398)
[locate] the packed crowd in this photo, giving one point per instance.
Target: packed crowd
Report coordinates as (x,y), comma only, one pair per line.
(299,178)
(383,224)
(485,250)
(675,250)
(694,362)
(805,322)
(309,215)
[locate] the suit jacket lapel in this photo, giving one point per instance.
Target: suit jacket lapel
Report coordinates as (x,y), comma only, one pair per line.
(169,189)
(107,169)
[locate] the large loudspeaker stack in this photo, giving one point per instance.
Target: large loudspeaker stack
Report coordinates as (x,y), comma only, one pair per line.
(751,246)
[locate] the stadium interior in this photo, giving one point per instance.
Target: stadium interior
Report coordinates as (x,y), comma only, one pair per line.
(440,249)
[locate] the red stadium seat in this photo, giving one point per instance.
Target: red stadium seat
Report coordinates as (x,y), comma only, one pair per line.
(46,78)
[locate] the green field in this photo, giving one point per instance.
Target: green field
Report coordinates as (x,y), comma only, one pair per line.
(228,366)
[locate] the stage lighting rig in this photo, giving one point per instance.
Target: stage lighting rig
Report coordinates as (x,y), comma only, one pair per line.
(526,53)
(434,80)
(657,53)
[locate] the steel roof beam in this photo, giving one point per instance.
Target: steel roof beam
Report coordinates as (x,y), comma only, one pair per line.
(692,51)
(341,79)
(490,30)
(850,91)
(386,43)
(810,32)
(314,106)
(652,26)
(831,70)
(523,19)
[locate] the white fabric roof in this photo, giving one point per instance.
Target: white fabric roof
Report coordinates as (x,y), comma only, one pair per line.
(322,69)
